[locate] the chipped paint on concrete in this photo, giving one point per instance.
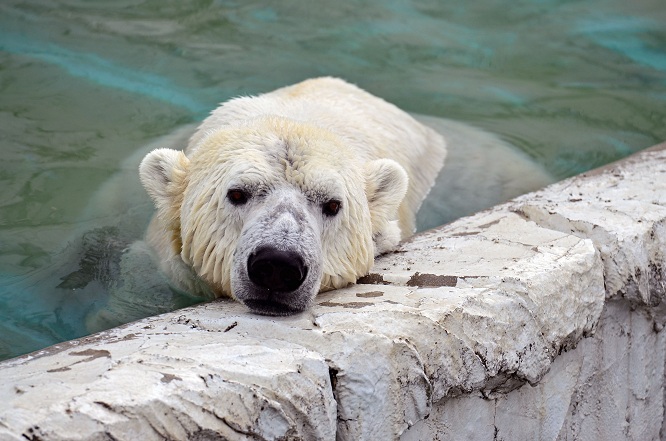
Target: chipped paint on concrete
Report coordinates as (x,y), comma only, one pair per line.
(538,319)
(366,295)
(432,280)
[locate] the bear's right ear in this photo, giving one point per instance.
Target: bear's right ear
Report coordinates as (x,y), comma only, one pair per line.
(386,186)
(162,173)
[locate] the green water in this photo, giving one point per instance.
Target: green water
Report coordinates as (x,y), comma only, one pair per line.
(83,85)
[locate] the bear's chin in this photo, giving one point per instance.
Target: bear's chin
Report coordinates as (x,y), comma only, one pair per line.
(271,307)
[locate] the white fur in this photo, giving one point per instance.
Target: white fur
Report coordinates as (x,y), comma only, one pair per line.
(292,150)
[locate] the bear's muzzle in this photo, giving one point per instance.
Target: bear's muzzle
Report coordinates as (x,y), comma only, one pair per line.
(276,270)
(277,264)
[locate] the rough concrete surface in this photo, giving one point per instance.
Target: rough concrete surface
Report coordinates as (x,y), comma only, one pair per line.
(538,319)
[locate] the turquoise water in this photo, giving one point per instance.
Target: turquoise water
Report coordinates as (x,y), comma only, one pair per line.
(83,85)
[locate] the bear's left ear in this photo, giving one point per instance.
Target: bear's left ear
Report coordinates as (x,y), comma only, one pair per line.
(162,173)
(386,186)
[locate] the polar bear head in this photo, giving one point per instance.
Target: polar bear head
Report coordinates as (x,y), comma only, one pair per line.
(272,211)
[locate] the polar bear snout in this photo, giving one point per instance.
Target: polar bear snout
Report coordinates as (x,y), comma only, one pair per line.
(276,270)
(277,264)
(277,281)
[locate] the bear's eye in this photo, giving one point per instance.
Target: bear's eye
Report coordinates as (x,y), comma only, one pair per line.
(236,196)
(331,208)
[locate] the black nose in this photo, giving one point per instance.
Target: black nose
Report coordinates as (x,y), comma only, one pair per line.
(276,270)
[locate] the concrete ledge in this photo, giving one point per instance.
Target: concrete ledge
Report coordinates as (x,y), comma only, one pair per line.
(480,329)
(622,209)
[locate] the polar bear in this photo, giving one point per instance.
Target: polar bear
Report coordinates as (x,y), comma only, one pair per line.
(280,196)
(480,170)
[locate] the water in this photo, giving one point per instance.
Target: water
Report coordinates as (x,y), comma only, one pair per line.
(84,85)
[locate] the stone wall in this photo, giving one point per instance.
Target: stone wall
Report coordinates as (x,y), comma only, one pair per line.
(538,319)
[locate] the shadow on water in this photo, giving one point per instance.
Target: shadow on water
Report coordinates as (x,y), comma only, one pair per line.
(67,292)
